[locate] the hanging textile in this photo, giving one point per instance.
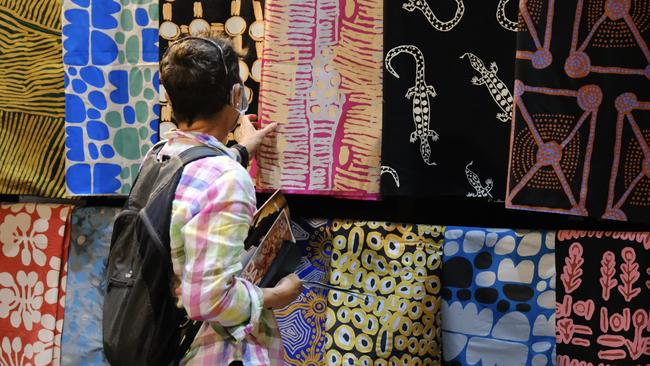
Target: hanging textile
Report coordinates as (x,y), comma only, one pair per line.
(302,324)
(448,77)
(322,84)
(110,56)
(31,98)
(34,240)
(397,267)
(241,20)
(498,293)
(90,238)
(602,303)
(579,143)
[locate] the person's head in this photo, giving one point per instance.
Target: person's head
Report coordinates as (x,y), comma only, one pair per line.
(201,77)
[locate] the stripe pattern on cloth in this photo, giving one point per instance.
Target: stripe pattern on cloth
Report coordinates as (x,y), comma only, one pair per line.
(110,56)
(34,241)
(322,84)
(31,99)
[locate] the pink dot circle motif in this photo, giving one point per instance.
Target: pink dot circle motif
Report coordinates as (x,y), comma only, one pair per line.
(549,153)
(519,88)
(590,97)
(577,65)
(541,59)
(626,102)
(617,9)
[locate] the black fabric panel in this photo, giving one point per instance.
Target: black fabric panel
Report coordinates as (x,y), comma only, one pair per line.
(469,145)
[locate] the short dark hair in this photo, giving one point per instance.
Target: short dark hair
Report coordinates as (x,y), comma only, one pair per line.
(193,74)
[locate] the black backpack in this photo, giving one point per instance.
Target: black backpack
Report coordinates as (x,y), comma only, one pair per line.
(141,323)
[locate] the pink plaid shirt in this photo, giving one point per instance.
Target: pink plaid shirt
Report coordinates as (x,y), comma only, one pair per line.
(211,214)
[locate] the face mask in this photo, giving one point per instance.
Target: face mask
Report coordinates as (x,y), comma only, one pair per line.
(238,98)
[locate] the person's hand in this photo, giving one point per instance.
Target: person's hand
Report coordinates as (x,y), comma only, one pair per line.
(249,136)
(283,294)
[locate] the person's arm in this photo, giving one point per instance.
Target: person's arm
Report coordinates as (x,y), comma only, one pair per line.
(213,242)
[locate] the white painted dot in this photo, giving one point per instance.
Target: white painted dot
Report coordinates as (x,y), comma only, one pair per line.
(450,248)
(541,286)
(486,279)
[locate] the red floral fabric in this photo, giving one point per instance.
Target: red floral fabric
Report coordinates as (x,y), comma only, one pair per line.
(34,240)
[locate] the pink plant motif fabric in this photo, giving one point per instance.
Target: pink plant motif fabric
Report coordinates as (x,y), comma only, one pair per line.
(34,240)
(604,319)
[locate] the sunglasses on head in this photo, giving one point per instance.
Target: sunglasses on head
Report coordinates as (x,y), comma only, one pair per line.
(238,98)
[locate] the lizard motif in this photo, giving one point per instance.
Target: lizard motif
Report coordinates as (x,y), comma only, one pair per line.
(474,180)
(497,88)
(503,19)
(423,6)
(388,170)
(420,93)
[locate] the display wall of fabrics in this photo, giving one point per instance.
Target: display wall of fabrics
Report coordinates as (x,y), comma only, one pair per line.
(397,267)
(34,240)
(90,238)
(448,77)
(302,324)
(579,143)
(240,20)
(498,297)
(602,303)
(31,99)
(322,84)
(110,56)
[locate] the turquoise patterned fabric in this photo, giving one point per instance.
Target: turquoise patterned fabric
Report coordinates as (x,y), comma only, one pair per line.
(110,56)
(81,341)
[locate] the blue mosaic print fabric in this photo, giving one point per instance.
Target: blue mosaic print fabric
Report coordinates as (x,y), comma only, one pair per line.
(110,56)
(498,294)
(90,236)
(302,323)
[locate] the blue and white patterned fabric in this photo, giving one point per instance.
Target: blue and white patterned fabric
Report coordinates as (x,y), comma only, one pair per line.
(90,236)
(110,57)
(302,323)
(498,294)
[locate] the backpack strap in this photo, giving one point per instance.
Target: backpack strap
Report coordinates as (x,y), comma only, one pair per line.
(198,152)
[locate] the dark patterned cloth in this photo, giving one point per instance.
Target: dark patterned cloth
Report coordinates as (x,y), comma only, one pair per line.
(185,17)
(398,267)
(579,143)
(449,69)
(602,298)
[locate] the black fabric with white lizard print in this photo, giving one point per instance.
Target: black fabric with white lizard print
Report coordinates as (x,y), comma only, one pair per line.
(448,79)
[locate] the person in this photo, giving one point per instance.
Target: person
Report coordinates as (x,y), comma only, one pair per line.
(213,208)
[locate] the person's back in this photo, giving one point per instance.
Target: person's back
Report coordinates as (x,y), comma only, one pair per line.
(213,208)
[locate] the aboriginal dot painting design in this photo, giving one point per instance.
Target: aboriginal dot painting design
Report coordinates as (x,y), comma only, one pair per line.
(302,323)
(240,20)
(498,297)
(110,56)
(602,308)
(434,65)
(579,141)
(397,267)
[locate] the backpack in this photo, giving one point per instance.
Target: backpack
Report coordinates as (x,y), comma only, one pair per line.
(141,323)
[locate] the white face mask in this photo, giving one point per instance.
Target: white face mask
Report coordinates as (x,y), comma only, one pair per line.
(238,98)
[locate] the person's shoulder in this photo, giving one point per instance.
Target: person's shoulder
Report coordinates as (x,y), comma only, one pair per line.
(219,169)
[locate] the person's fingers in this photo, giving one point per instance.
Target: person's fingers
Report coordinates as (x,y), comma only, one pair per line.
(269,128)
(252,117)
